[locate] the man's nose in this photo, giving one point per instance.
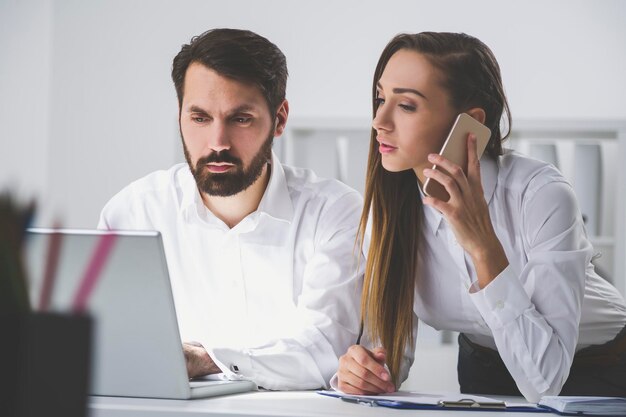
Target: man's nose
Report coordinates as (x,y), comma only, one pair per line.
(218,138)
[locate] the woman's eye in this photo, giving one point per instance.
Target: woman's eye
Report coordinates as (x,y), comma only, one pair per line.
(379,101)
(408,107)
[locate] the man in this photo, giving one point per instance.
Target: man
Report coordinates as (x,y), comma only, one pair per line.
(261,255)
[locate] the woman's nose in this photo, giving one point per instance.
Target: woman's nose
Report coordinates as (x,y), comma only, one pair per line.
(382,119)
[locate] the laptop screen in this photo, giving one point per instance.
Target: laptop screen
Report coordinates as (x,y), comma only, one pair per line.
(137,346)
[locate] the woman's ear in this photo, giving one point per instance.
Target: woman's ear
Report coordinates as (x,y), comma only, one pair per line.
(478,114)
(281,118)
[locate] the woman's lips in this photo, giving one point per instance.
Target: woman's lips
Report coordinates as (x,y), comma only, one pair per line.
(385,147)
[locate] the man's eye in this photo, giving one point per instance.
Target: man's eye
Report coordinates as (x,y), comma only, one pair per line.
(242,120)
(199,119)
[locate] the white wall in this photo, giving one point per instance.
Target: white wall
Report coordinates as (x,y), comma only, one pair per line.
(25,33)
(87,105)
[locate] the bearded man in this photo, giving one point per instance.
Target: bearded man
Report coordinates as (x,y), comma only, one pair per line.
(261,256)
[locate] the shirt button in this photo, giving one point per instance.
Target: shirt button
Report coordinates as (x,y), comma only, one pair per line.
(499,304)
(234,368)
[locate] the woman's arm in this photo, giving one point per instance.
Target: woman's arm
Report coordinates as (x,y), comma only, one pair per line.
(468,213)
(534,312)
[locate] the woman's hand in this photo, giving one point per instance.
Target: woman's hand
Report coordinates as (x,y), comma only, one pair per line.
(467,212)
(363,372)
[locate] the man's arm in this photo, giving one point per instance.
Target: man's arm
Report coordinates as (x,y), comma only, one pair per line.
(326,319)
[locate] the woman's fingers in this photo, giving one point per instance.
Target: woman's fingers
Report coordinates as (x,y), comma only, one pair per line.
(364,358)
(447,181)
(457,184)
(473,162)
(363,371)
(453,170)
(354,384)
(380,354)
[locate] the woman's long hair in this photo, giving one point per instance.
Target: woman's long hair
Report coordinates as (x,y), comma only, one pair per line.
(472,79)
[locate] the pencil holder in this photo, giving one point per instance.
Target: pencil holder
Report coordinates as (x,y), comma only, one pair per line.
(45,364)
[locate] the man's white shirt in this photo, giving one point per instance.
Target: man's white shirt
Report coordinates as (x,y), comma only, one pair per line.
(276,298)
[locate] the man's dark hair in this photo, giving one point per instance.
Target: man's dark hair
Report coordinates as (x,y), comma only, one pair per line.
(238,54)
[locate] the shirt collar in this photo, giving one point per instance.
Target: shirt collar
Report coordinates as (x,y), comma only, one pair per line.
(489,170)
(489,177)
(276,201)
(189,190)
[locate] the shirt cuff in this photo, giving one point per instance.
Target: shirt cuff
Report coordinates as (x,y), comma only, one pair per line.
(234,364)
(503,300)
(334,382)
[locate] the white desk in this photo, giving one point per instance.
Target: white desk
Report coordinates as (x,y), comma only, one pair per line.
(261,404)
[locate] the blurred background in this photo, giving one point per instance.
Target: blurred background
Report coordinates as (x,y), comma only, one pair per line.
(87,104)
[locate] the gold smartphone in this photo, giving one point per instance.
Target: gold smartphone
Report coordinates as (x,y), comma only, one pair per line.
(455,150)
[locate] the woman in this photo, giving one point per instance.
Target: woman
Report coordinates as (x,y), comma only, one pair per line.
(505,261)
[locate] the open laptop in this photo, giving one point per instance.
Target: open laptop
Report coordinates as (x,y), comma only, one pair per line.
(137,346)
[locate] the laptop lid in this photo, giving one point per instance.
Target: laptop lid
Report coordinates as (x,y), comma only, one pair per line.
(137,347)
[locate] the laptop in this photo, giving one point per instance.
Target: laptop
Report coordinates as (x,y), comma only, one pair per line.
(137,350)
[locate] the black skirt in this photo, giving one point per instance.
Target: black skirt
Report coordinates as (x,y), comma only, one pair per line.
(598,370)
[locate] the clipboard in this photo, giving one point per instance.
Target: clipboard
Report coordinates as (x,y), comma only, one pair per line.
(426,401)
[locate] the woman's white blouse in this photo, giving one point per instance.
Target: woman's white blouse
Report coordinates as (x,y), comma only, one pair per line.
(547,303)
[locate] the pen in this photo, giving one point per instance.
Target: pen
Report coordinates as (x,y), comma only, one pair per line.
(52,261)
(92,273)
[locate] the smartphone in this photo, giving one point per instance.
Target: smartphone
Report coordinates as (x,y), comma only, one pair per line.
(455,150)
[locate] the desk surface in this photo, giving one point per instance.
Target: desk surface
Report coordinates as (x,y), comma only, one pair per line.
(257,404)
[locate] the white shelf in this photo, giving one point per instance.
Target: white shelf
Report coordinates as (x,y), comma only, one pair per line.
(314,143)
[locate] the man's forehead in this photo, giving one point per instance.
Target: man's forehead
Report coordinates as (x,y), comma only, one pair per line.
(204,85)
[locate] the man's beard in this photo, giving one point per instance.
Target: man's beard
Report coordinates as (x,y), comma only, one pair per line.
(236,179)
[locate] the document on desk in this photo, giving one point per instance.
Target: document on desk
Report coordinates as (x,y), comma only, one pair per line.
(434,401)
(591,406)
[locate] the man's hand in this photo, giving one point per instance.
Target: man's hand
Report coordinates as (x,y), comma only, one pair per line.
(198,361)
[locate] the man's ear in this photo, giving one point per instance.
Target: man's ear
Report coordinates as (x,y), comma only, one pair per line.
(478,114)
(281,118)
